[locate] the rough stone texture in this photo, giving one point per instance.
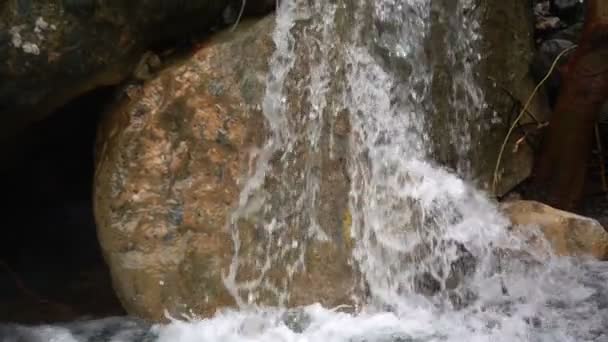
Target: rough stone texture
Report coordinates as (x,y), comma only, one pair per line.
(507,31)
(171,165)
(568,234)
(55,50)
(173,159)
(506,49)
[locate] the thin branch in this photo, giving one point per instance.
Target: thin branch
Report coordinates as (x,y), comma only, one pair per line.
(523,111)
(515,99)
(241,11)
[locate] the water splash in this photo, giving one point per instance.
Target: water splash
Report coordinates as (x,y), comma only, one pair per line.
(436,256)
(281,199)
(455,41)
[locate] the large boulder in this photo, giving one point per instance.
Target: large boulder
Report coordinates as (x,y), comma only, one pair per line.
(568,234)
(203,200)
(469,126)
(172,161)
(55,50)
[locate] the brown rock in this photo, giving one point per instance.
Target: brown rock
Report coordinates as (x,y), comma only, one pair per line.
(171,165)
(174,158)
(567,233)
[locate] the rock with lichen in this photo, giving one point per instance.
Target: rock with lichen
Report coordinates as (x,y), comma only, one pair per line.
(53,51)
(173,160)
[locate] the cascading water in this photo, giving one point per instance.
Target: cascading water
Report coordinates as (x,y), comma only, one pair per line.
(436,259)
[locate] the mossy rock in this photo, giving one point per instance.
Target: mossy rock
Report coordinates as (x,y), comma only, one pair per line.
(53,51)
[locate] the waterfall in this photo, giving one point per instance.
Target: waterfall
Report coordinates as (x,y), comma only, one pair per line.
(282,198)
(411,219)
(434,258)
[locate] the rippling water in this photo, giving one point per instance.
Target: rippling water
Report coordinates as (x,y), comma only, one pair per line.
(436,256)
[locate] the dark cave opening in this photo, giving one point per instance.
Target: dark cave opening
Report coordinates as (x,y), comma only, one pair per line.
(51,267)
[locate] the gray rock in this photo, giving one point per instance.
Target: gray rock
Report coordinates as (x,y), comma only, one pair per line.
(459,269)
(208,127)
(297,320)
(208,130)
(503,75)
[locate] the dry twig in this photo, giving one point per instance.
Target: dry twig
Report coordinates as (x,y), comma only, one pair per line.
(521,114)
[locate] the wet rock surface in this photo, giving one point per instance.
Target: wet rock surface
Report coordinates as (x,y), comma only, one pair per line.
(174,151)
(505,39)
(173,158)
(568,234)
(171,165)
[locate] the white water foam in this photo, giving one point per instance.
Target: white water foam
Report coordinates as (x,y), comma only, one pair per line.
(436,255)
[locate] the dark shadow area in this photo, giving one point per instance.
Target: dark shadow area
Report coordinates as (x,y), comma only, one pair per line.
(51,267)
(594,202)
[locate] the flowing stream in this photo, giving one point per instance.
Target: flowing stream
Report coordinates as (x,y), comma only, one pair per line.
(435,256)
